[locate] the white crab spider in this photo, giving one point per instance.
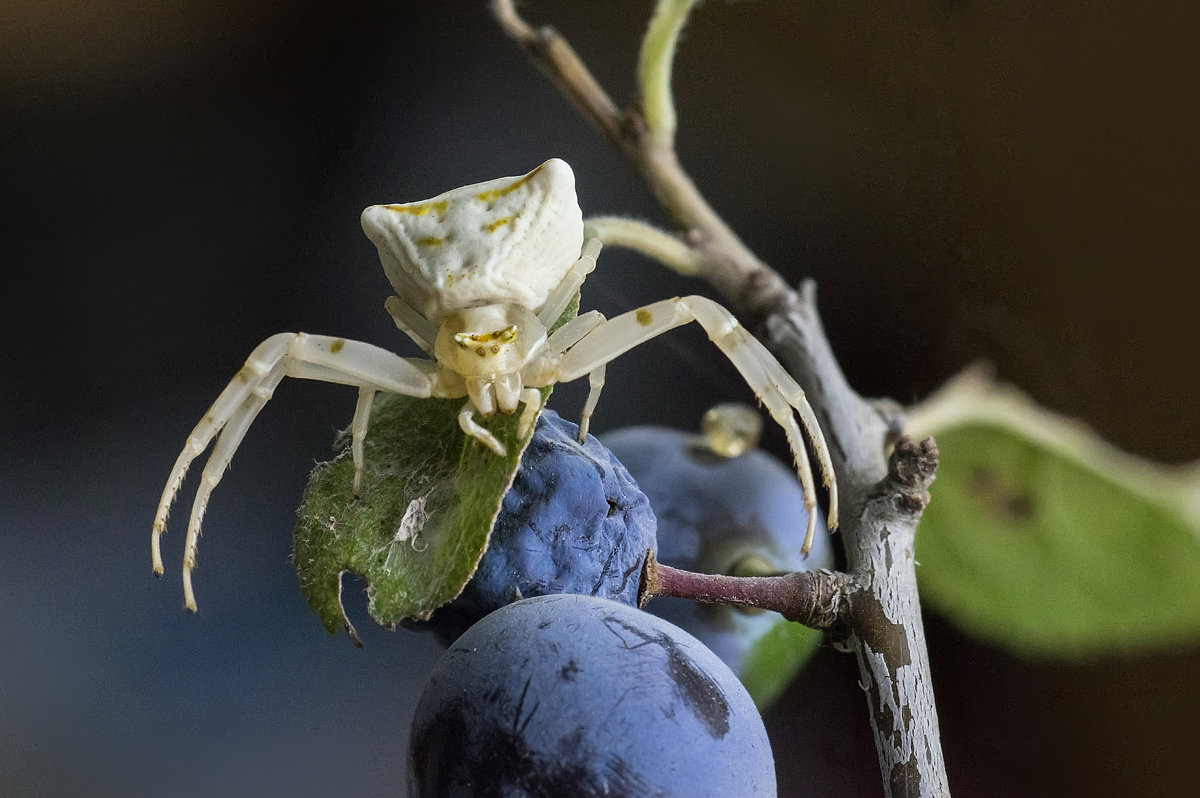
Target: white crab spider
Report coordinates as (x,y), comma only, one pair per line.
(480,274)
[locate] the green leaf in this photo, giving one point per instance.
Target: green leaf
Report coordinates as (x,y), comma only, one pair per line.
(1044,539)
(419,464)
(419,526)
(775,659)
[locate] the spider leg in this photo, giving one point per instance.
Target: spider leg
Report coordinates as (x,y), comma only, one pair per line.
(746,352)
(222,454)
(410,322)
(466,421)
(781,409)
(256,369)
(542,372)
(783,398)
(569,334)
(358,433)
(562,295)
(316,357)
(532,398)
(369,355)
(595,385)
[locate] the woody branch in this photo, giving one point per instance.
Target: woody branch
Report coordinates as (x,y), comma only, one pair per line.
(873,607)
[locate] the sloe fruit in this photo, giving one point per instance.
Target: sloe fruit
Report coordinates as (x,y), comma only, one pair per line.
(574,521)
(719,515)
(573,695)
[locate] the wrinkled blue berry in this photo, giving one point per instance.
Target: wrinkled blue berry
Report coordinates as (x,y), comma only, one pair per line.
(577,696)
(574,521)
(719,515)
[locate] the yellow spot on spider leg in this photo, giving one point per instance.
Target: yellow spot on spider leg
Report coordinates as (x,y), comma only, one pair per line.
(337,345)
(644,317)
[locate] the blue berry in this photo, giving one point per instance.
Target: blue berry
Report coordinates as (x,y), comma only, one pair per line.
(719,515)
(574,521)
(572,695)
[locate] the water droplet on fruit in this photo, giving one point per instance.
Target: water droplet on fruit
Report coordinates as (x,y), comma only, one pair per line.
(731,428)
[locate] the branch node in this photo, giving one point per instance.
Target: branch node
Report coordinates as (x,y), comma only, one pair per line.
(914,463)
(633,125)
(651,584)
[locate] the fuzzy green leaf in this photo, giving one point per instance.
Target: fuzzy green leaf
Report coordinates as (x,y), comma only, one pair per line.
(429,498)
(421,522)
(1043,539)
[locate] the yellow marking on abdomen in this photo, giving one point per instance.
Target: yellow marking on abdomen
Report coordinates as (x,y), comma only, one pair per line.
(432,241)
(497,193)
(496,225)
(422,209)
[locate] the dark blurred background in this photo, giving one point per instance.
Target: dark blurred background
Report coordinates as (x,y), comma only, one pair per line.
(965,180)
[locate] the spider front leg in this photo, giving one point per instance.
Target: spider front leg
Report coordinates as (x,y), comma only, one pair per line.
(563,339)
(774,387)
(567,290)
(315,357)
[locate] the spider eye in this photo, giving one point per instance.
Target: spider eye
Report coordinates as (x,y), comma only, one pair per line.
(495,337)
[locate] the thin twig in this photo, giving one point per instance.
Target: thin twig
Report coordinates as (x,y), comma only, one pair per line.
(754,289)
(558,60)
(654,69)
(668,249)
